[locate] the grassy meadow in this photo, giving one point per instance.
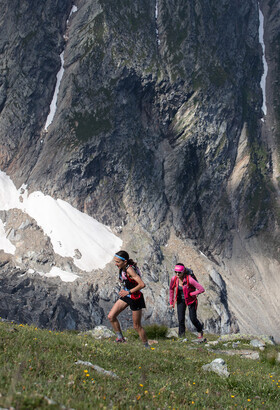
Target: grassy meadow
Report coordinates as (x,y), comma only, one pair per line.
(39,371)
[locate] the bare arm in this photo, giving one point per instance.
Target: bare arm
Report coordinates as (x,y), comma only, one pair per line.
(140,284)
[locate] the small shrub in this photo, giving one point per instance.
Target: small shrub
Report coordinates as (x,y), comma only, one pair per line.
(152,332)
(156,331)
(269,357)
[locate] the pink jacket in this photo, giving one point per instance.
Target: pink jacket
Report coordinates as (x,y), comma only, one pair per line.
(191,289)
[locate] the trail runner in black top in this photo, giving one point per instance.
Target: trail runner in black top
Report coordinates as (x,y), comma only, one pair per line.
(130,295)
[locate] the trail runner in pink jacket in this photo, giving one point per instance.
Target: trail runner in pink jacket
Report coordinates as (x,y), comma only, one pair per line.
(183,291)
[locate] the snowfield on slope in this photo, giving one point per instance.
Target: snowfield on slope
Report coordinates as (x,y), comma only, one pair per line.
(71,232)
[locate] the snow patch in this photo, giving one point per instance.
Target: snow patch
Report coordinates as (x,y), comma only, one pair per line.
(58,79)
(55,95)
(265,66)
(156,18)
(73,10)
(5,244)
(64,276)
(72,233)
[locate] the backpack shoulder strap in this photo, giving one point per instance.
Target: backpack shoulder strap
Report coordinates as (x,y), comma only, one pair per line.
(190,272)
(136,269)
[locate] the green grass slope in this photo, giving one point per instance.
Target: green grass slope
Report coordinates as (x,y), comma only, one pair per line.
(39,370)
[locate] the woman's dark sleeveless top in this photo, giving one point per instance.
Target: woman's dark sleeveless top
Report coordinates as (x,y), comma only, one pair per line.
(129,283)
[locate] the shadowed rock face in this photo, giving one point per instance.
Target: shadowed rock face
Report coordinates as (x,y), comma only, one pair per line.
(132,102)
(157,129)
(49,305)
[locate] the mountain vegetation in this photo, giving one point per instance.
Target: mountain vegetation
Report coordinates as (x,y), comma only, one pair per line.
(66,370)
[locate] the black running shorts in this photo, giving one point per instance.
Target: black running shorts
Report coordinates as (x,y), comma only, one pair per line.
(135,304)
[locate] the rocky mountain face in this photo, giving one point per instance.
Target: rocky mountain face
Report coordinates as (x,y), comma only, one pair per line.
(159,133)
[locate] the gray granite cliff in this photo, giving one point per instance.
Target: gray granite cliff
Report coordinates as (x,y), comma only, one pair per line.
(158,133)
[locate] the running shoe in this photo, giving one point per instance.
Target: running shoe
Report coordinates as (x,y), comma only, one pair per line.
(120,340)
(201,339)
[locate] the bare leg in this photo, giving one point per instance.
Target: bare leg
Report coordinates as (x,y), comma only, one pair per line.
(136,317)
(118,307)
